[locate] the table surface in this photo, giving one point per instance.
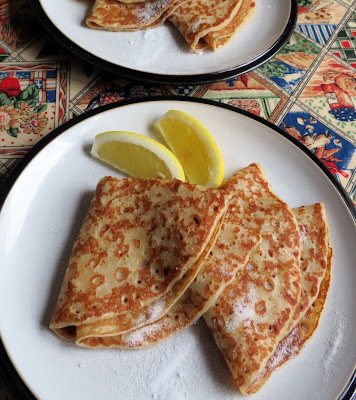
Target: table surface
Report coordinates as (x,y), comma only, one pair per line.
(308,89)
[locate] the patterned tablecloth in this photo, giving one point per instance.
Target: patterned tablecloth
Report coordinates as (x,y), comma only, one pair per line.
(308,88)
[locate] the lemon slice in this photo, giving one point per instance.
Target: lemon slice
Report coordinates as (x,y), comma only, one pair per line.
(194,147)
(137,155)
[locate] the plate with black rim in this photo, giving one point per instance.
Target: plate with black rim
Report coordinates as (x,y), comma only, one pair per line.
(160,55)
(43,204)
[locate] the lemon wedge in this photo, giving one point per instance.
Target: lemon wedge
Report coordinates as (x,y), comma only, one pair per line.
(194,147)
(137,155)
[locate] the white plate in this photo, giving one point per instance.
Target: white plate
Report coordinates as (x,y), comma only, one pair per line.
(161,54)
(41,217)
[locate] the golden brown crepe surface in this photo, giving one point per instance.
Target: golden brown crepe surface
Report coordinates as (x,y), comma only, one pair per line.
(146,315)
(253,313)
(296,340)
(314,237)
(139,237)
(117,16)
(220,37)
(196,18)
(203,23)
(229,254)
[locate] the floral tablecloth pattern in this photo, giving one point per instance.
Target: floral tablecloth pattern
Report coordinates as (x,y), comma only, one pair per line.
(308,89)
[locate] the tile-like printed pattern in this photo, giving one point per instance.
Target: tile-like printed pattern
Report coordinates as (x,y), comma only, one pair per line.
(318,33)
(18,26)
(337,153)
(318,12)
(289,66)
(249,92)
(331,93)
(345,44)
(31,101)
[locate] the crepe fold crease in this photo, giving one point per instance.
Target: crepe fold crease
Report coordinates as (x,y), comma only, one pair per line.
(229,254)
(152,312)
(140,237)
(218,38)
(196,18)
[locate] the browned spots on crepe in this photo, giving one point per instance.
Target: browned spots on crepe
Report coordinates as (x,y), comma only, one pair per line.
(131,277)
(118,16)
(230,253)
(152,312)
(292,344)
(315,273)
(246,329)
(202,23)
(196,18)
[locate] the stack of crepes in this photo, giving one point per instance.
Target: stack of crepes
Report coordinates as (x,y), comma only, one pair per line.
(203,23)
(153,256)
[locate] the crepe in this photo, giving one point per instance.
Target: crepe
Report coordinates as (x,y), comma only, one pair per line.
(253,313)
(229,254)
(117,16)
(196,18)
(127,322)
(316,259)
(296,340)
(139,237)
(219,38)
(314,237)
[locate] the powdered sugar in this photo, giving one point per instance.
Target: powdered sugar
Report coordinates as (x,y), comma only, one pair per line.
(287,349)
(138,336)
(303,234)
(335,350)
(149,9)
(244,310)
(335,345)
(156,310)
(196,25)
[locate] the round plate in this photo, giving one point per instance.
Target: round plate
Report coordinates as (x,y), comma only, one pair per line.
(42,213)
(161,55)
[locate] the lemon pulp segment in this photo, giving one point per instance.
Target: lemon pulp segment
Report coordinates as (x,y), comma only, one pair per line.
(194,147)
(137,155)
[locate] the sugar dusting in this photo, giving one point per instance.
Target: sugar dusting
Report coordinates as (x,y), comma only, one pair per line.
(335,350)
(196,25)
(187,366)
(286,350)
(137,337)
(303,234)
(149,9)
(335,345)
(156,310)
(244,311)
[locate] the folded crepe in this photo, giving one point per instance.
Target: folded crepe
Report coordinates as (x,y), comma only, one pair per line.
(129,321)
(118,16)
(316,257)
(138,239)
(197,18)
(315,244)
(219,38)
(254,312)
(296,340)
(203,23)
(230,253)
